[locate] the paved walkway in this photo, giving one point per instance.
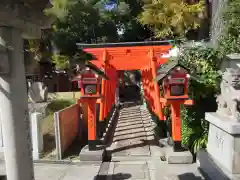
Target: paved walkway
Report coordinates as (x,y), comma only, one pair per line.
(62,171)
(148,170)
(66,172)
(131,139)
(135,155)
(132,170)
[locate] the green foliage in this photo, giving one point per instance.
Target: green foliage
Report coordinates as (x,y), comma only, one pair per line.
(61,62)
(83,22)
(78,21)
(60,8)
(41,48)
(87,21)
(171,18)
(80,25)
(199,141)
(194,129)
(58,105)
(33,46)
(229,41)
(132,28)
(205,63)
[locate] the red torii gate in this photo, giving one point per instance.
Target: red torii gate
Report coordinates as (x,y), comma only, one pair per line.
(143,56)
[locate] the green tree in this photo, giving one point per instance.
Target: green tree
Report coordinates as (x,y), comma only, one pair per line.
(229,41)
(89,22)
(133,30)
(60,8)
(82,23)
(171,18)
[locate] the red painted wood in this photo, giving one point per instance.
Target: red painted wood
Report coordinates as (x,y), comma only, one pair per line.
(176,121)
(128,58)
(92,133)
(144,58)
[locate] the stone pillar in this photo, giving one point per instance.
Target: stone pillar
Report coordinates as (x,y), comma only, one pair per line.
(142,94)
(117,100)
(14,109)
(37,138)
(1,138)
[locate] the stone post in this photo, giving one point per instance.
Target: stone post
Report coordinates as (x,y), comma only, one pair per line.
(37,138)
(1,137)
(117,100)
(14,109)
(142,95)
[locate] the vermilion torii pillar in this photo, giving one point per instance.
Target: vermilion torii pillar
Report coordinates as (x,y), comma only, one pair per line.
(111,88)
(158,105)
(104,64)
(107,90)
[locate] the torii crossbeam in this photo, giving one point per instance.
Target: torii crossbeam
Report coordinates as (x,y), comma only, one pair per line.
(127,55)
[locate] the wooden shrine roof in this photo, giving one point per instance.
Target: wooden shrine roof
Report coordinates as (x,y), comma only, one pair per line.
(97,71)
(165,69)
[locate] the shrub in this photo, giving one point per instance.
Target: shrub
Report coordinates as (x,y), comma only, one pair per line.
(58,105)
(229,41)
(203,62)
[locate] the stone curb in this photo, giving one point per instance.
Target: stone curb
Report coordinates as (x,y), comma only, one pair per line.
(56,162)
(109,127)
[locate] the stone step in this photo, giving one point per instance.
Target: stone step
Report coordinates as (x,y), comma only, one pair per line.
(132,136)
(131,158)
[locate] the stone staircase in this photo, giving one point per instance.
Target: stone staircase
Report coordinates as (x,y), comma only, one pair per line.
(133,137)
(135,153)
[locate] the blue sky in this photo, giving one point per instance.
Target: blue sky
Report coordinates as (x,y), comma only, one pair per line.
(110,5)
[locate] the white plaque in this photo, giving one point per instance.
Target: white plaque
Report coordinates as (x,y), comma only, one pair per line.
(89,81)
(177,80)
